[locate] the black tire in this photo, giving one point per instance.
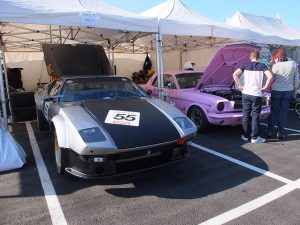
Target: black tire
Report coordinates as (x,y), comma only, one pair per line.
(58,154)
(21,99)
(297,108)
(14,70)
(14,76)
(43,124)
(16,84)
(199,118)
(21,114)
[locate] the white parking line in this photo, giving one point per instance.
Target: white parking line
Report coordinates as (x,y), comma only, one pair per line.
(289,129)
(246,165)
(252,205)
(55,210)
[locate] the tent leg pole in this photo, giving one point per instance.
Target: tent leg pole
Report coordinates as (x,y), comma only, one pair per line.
(108,51)
(50,29)
(60,39)
(6,83)
(159,61)
(180,59)
(161,66)
(3,99)
(113,60)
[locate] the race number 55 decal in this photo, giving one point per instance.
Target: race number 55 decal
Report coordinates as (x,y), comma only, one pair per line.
(126,118)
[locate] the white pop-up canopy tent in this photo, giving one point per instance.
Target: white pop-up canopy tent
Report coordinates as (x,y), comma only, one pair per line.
(183,30)
(181,26)
(68,21)
(26,24)
(271,30)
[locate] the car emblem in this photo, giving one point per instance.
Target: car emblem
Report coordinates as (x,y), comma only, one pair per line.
(148,152)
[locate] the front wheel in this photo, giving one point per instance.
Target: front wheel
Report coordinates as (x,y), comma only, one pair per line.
(41,121)
(59,157)
(199,118)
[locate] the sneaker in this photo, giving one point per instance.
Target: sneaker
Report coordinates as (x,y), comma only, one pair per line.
(258,140)
(244,138)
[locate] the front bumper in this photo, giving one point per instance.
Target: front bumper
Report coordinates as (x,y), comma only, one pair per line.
(120,163)
(233,118)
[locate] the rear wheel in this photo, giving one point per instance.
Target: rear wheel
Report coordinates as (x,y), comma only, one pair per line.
(59,157)
(199,118)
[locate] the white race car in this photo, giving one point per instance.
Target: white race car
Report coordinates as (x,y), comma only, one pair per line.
(106,125)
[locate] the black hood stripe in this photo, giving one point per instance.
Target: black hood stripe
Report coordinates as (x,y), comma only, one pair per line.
(154,127)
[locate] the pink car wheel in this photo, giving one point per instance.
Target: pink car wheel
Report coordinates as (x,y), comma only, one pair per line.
(198,117)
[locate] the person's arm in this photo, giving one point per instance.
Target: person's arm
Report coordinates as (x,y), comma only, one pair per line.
(236,75)
(269,76)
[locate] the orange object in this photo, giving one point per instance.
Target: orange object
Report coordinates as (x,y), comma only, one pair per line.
(53,78)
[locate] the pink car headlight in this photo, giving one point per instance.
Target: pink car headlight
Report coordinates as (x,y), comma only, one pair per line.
(220,106)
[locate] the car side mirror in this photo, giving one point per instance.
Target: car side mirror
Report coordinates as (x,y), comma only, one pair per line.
(149,92)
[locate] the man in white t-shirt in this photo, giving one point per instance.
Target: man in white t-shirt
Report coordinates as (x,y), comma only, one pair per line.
(254,72)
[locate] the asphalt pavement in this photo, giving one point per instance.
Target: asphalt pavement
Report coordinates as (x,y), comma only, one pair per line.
(225,180)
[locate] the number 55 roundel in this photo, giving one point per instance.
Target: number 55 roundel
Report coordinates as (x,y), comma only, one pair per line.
(123,118)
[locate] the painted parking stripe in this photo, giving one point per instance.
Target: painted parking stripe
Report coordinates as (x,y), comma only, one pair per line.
(55,210)
(246,165)
(252,205)
(289,129)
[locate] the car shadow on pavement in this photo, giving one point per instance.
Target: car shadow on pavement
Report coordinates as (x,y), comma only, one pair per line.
(199,175)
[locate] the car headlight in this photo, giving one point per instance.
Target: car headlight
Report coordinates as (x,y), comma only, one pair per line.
(220,106)
(184,122)
(91,135)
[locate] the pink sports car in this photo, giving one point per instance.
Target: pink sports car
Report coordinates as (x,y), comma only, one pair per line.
(209,97)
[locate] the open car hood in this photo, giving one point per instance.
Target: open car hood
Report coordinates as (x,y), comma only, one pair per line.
(76,60)
(225,62)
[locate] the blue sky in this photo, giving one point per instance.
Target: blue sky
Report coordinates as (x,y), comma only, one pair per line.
(289,10)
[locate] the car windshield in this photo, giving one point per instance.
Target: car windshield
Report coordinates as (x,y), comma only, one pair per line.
(87,89)
(188,80)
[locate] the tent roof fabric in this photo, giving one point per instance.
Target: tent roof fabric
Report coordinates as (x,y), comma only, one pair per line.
(177,19)
(271,30)
(74,13)
(26,24)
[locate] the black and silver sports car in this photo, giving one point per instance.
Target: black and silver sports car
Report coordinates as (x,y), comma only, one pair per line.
(106,125)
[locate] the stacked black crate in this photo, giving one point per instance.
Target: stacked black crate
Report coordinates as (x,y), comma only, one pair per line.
(22,102)
(23,106)
(14,78)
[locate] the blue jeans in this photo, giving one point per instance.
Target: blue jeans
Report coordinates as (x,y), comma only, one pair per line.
(280,101)
(251,112)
